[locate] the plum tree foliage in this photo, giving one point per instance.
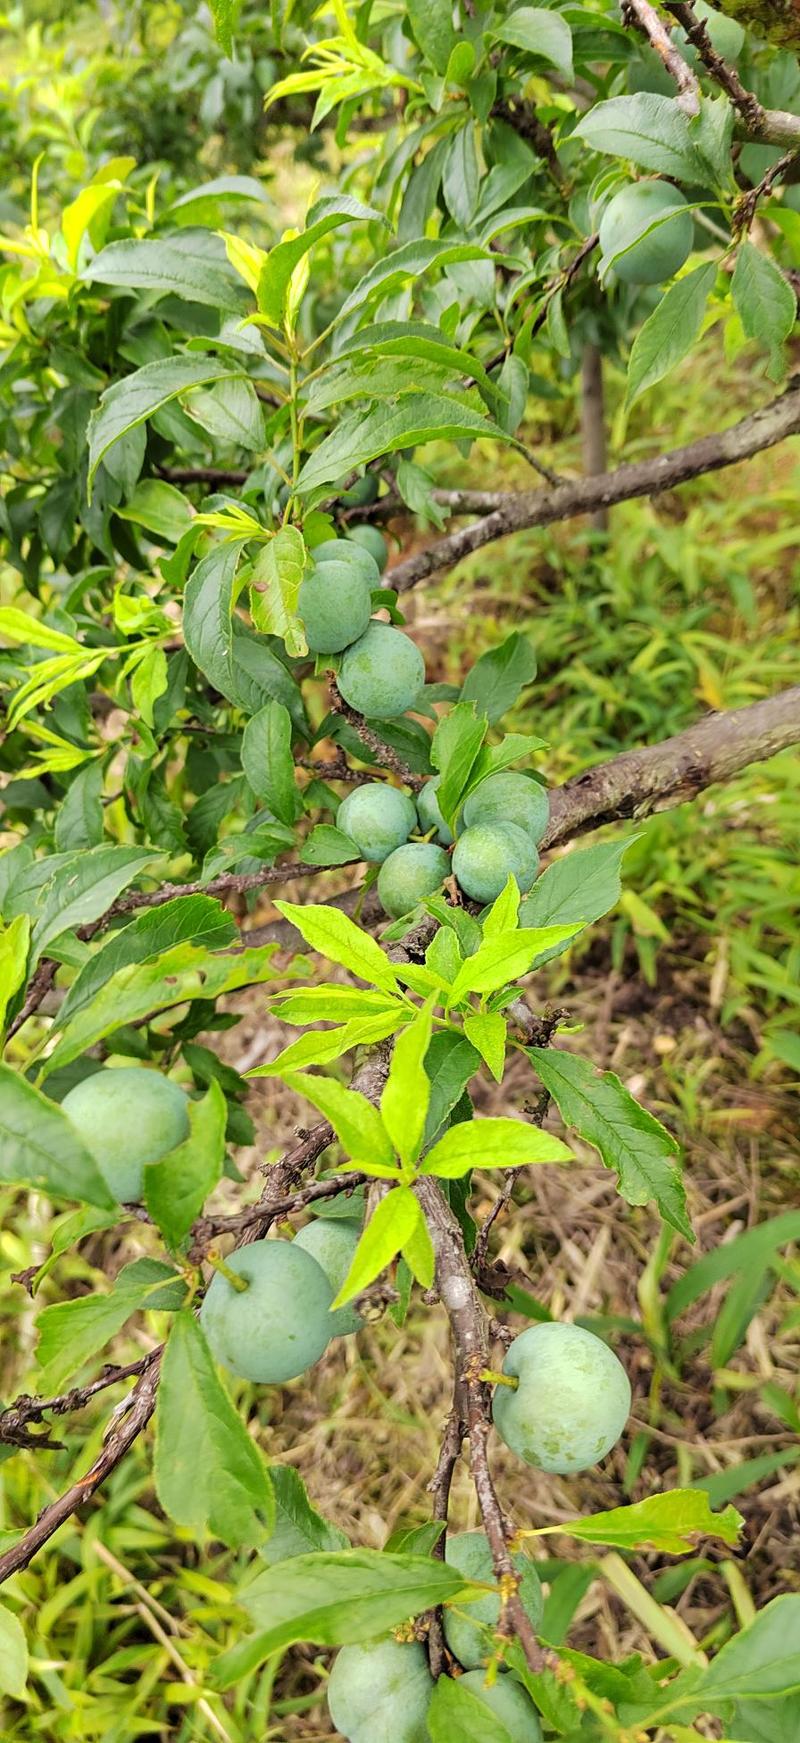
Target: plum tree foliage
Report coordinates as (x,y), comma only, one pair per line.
(217,430)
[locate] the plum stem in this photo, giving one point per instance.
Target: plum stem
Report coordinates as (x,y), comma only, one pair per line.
(233,1277)
(492,1378)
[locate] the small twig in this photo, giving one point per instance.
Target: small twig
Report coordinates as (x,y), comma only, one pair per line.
(25,1409)
(745,209)
(388,757)
(40,986)
(525,122)
(641,13)
(747,105)
(439,1487)
(208,1229)
(202,474)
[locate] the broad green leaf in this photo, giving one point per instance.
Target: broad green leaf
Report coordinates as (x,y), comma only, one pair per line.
(496,679)
(455,745)
(200,920)
(580,887)
(336,1600)
(413,420)
(504,957)
(357,1124)
(71,1332)
(39,1147)
(225,14)
(83,890)
(13,1655)
(457,1712)
(332,1004)
(544,34)
(671,1523)
(405,266)
(18,628)
(210,1475)
(419,1255)
(670,332)
(391,1225)
(494,757)
(14,942)
(231,411)
(149,681)
(336,936)
(764,300)
(141,988)
(405,1098)
(274,587)
(760,1663)
(268,762)
(177,1186)
(327,845)
(495,1143)
(276,273)
(450,1063)
(417,340)
(630,1141)
(461,176)
(487,1030)
(208,613)
(167,266)
(299,1529)
(649,131)
(504,912)
(319,1046)
(129,402)
(432,26)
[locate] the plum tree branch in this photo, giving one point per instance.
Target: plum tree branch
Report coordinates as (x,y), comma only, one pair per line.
(372,741)
(768,126)
(641,13)
(507,512)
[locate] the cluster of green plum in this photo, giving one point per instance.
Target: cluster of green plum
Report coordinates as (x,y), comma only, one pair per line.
(503,821)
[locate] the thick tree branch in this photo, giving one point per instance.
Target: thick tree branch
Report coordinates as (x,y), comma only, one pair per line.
(768,126)
(641,13)
(511,512)
(662,775)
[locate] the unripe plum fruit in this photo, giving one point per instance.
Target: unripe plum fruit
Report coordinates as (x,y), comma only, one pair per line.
(277,1327)
(332,1241)
(382,674)
(572,1402)
(335,605)
(429,812)
(409,874)
(380,1693)
(362,492)
(659,254)
(485,854)
(510,798)
(344,551)
(372,540)
(467,1627)
(128,1117)
(508,1700)
(378,818)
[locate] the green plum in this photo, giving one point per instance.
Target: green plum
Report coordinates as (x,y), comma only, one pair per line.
(486,853)
(335,605)
(378,818)
(380,1693)
(468,1627)
(382,674)
(344,551)
(127,1117)
(362,492)
(510,798)
(660,253)
(332,1241)
(507,1699)
(277,1327)
(409,874)
(572,1402)
(429,812)
(372,540)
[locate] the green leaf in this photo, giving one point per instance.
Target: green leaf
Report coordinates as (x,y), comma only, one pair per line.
(328,846)
(149,681)
(405,266)
(503,915)
(630,1141)
(208,614)
(494,757)
(320,1004)
(13,1655)
(671,1523)
(274,587)
(419,1255)
(406,1094)
(581,887)
(456,1712)
(670,332)
(230,411)
(71,1332)
(393,1223)
(173,978)
(81,890)
(319,1046)
(210,1475)
(544,34)
(496,679)
(268,762)
(336,936)
(454,747)
(760,1663)
(225,14)
(39,1147)
(160,508)
(432,26)
(277,270)
(177,1186)
(200,920)
(129,402)
(487,1030)
(14,942)
(79,819)
(299,1529)
(461,177)
(504,957)
(18,627)
(495,1143)
(167,266)
(764,300)
(649,131)
(412,420)
(357,1124)
(450,1063)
